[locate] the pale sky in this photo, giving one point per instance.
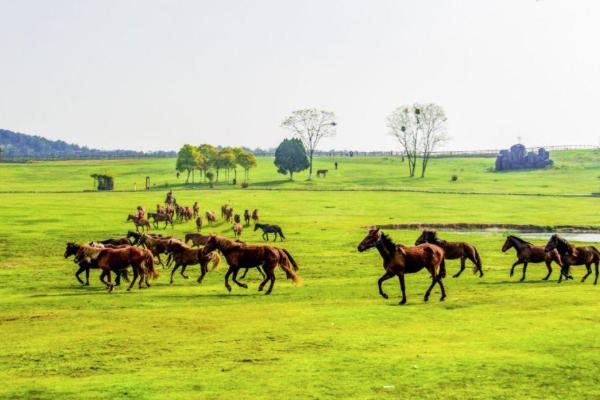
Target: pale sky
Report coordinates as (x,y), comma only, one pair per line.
(151,75)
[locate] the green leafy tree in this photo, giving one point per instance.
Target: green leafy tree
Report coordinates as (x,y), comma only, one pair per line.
(209,157)
(291,157)
(225,161)
(188,159)
(246,160)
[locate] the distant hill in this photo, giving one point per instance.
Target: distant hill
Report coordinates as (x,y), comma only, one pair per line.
(20,145)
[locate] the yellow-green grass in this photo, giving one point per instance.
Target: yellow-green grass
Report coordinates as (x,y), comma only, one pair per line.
(575,172)
(334,337)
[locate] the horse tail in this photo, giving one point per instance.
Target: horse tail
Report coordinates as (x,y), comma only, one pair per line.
(292,261)
(284,263)
(443,268)
(281,233)
(148,266)
(477,257)
(216,260)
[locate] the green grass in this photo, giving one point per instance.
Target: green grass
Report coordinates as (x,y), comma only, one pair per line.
(575,172)
(333,337)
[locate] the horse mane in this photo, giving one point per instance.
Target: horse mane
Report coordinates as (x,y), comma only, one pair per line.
(388,243)
(518,239)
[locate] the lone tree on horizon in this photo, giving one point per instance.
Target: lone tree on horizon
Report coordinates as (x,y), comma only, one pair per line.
(290,157)
(310,126)
(419,128)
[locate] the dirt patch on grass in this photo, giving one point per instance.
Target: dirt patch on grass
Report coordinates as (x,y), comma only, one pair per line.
(493,227)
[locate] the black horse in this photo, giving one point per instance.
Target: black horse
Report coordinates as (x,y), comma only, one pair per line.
(266,228)
(72,249)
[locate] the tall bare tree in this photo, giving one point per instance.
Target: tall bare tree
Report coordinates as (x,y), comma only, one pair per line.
(419,128)
(310,126)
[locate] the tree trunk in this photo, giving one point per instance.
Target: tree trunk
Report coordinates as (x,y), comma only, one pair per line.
(310,165)
(291,175)
(187,178)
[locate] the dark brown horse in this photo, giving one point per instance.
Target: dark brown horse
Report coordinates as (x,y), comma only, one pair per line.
(571,255)
(255,216)
(239,255)
(197,239)
(529,253)
(161,217)
(247,217)
(72,249)
(196,208)
(198,223)
(139,222)
(454,250)
(157,245)
(109,260)
(399,260)
(184,256)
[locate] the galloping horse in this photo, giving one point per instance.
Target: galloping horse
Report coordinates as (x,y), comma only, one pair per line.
(184,256)
(117,259)
(275,229)
(72,249)
(571,255)
(454,250)
(240,255)
(529,253)
(399,260)
(139,222)
(161,217)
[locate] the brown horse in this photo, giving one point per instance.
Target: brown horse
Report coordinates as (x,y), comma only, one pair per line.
(196,208)
(255,216)
(571,255)
(197,239)
(184,256)
(399,260)
(161,217)
(240,255)
(529,253)
(237,230)
(108,260)
(198,223)
(454,250)
(247,217)
(139,222)
(228,214)
(72,249)
(211,217)
(156,245)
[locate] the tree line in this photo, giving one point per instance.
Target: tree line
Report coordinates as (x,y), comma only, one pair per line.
(214,164)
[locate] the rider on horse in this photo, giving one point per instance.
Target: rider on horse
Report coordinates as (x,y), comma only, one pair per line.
(169,200)
(140,214)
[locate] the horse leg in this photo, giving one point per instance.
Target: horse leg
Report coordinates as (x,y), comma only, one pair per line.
(596,272)
(244,274)
(261,271)
(227,285)
(512,270)
(439,281)
(117,278)
(79,271)
(588,267)
(265,234)
(203,271)
(265,276)
(433,282)
(524,269)
(173,271)
(270,270)
(183,268)
(462,267)
(87,276)
(388,274)
(135,276)
(240,284)
(402,288)
(549,270)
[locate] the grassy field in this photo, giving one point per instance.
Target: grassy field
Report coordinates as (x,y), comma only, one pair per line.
(575,172)
(333,337)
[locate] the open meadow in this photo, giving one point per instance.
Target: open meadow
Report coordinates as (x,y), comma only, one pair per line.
(332,337)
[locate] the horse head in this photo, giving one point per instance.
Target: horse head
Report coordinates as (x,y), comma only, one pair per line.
(508,243)
(371,240)
(71,249)
(553,242)
(427,236)
(211,245)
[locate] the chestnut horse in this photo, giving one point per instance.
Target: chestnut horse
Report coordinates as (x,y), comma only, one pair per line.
(454,250)
(184,256)
(117,259)
(72,249)
(571,255)
(239,255)
(399,260)
(529,253)
(211,217)
(141,222)
(237,230)
(255,216)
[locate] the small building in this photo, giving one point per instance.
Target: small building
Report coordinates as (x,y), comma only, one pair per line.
(103,181)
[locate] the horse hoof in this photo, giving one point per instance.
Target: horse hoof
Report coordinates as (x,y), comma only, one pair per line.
(455,276)
(385,296)
(403,302)
(426,299)
(442,298)
(87,284)
(481,275)
(229,289)
(245,286)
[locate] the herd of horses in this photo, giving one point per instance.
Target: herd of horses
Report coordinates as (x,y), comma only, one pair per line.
(430,252)
(143,251)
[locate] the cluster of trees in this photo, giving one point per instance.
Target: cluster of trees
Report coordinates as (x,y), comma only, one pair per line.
(14,144)
(212,162)
(419,129)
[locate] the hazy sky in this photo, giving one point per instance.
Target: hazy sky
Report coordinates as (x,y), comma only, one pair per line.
(157,74)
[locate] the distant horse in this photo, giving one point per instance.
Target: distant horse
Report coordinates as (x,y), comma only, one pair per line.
(274,229)
(139,222)
(322,173)
(72,249)
(240,256)
(454,250)
(571,255)
(399,260)
(197,239)
(529,253)
(228,214)
(237,230)
(196,208)
(247,217)
(255,216)
(211,217)
(161,217)
(198,223)
(224,208)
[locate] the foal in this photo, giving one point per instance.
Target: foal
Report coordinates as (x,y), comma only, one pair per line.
(399,260)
